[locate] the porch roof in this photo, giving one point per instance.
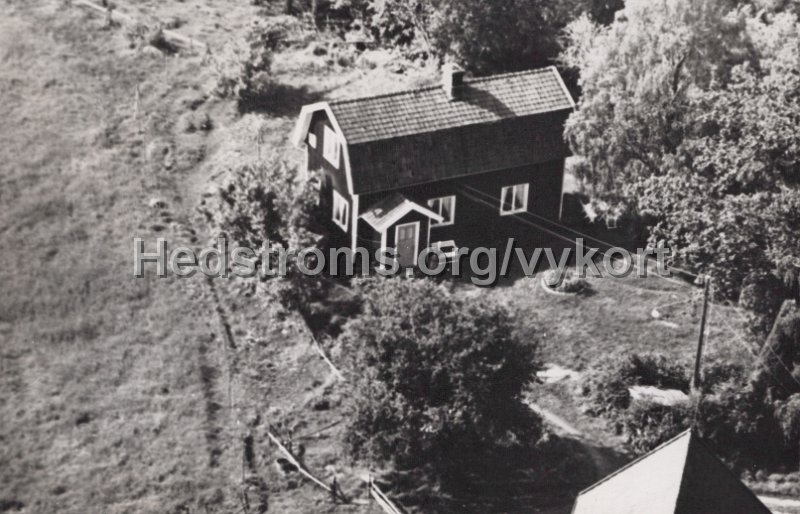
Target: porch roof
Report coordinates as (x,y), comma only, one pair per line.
(392,209)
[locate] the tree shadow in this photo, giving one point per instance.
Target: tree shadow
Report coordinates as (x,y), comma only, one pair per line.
(485,100)
(547,478)
(278,99)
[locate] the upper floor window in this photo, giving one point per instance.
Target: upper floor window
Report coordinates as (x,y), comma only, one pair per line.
(312,140)
(444,207)
(331,146)
(514,199)
(341,210)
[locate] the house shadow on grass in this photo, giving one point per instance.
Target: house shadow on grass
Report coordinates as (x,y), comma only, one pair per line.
(278,100)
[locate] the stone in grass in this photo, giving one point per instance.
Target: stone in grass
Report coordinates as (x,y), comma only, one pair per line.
(321,404)
(284,467)
(8,505)
(157,203)
(569,283)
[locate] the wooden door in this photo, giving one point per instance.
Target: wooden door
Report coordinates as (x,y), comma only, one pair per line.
(407,244)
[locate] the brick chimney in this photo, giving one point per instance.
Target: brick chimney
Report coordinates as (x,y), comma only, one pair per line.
(452,80)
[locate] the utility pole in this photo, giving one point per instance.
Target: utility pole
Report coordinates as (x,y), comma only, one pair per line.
(696,378)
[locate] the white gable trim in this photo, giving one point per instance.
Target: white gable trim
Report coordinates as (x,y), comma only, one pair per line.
(560,80)
(303,125)
(400,212)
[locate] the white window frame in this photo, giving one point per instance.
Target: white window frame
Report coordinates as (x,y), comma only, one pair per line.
(513,190)
(331,149)
(416,225)
(435,205)
(340,204)
(312,140)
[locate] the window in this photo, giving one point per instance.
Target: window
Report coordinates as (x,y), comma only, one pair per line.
(341,210)
(331,146)
(514,199)
(312,140)
(444,207)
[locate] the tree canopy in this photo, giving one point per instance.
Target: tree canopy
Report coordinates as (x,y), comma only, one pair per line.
(688,115)
(438,379)
(485,36)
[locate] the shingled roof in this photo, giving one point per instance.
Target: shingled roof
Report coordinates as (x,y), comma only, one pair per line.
(481,100)
(424,135)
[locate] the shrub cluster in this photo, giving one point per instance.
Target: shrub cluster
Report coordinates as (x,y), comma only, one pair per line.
(751,420)
(266,201)
(570,283)
(607,387)
(243,67)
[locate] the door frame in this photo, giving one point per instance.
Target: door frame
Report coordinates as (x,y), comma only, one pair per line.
(416,225)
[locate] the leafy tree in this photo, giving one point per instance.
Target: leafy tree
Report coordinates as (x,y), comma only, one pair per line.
(788,413)
(438,379)
(483,35)
(688,115)
(266,202)
(636,76)
(778,371)
(762,296)
(740,425)
(601,11)
(243,67)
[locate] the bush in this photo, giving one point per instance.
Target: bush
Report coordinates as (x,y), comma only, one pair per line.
(649,425)
(570,283)
(607,386)
(243,68)
(438,380)
(266,202)
(788,416)
(740,426)
(762,295)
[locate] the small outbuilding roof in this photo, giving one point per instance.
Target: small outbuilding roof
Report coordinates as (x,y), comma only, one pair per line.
(392,209)
(680,477)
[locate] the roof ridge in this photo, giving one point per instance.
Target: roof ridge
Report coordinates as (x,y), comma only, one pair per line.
(689,432)
(469,80)
(382,95)
(506,75)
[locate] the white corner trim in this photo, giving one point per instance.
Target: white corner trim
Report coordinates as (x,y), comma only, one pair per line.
(354,216)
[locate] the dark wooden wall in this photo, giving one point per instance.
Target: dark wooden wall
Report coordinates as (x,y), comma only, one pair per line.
(478,222)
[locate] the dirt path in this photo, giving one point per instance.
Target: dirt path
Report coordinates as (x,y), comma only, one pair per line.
(781,505)
(605,459)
